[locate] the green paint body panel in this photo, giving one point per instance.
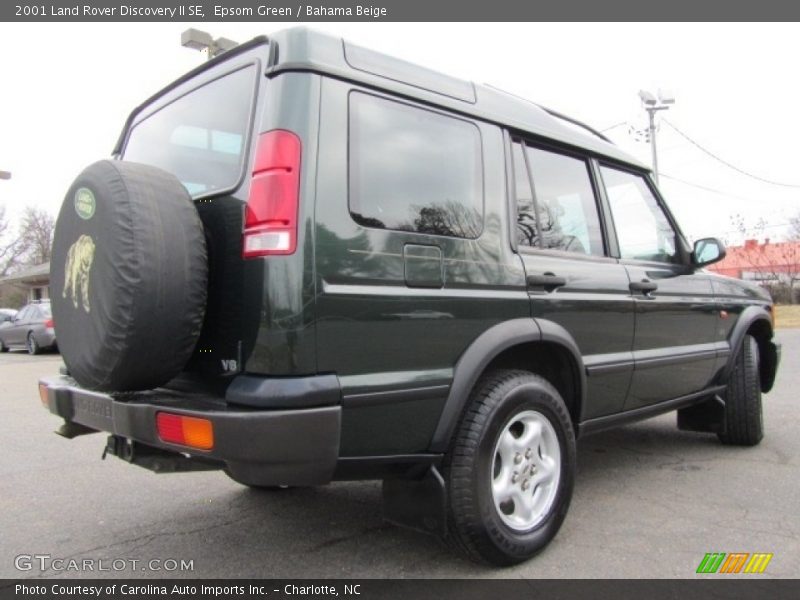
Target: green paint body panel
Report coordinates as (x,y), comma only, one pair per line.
(392,312)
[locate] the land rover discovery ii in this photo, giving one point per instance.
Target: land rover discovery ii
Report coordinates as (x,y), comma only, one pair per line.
(311,262)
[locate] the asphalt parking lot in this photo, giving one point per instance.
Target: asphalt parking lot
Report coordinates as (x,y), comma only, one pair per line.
(649,501)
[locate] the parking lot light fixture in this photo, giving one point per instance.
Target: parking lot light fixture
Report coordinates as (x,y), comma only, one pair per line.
(202,40)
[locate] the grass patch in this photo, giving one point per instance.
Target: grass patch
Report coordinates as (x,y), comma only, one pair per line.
(787,315)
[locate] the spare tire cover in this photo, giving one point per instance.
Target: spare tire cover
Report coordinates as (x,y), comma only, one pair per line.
(128,277)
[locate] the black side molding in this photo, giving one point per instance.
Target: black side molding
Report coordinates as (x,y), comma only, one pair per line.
(645,412)
(285,392)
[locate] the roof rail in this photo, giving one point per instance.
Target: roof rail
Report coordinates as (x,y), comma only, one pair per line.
(554,113)
(564,117)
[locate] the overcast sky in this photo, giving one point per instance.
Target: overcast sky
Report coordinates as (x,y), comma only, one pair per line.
(67,88)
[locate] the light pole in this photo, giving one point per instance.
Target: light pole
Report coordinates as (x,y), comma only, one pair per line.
(652,105)
(202,40)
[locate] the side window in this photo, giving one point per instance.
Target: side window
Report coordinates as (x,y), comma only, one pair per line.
(561,212)
(643,230)
(24,314)
(414,170)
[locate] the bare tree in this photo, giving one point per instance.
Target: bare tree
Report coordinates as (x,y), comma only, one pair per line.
(36,233)
(794,227)
(779,262)
(12,248)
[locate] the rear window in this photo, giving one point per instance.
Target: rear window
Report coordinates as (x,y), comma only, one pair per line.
(200,137)
(412,169)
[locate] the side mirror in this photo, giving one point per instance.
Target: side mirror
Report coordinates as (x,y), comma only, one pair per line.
(708,251)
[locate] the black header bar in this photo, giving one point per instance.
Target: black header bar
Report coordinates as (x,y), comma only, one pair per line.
(298,11)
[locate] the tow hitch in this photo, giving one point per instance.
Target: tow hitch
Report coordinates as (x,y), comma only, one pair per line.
(155,459)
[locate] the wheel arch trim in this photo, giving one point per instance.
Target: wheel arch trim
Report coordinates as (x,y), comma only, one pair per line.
(485,348)
(749,316)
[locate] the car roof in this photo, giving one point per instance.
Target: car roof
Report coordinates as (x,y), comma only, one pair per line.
(303,49)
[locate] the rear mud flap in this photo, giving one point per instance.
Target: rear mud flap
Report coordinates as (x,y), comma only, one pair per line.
(419,504)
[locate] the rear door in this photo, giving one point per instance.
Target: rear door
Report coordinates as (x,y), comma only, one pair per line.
(572,279)
(412,263)
(676,314)
(203,130)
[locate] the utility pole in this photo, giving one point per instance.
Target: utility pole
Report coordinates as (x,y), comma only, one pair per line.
(652,105)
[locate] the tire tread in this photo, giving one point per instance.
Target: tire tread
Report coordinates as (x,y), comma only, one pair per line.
(743,419)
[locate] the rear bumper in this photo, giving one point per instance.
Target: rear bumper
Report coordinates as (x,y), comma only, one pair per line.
(258,447)
(46,338)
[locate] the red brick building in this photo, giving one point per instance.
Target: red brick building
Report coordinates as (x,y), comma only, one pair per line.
(768,262)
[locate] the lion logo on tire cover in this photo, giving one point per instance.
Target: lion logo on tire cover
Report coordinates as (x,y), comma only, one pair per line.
(77,271)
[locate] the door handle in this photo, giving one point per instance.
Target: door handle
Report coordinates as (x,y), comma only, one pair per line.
(645,286)
(548,281)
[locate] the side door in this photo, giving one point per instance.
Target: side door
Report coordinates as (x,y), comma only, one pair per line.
(572,278)
(15,333)
(412,263)
(676,314)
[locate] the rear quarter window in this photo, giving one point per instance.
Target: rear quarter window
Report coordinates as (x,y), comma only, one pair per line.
(200,137)
(413,169)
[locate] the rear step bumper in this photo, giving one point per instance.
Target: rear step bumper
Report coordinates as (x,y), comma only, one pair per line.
(258,447)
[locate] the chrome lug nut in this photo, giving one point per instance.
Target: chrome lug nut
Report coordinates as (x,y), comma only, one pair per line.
(526,484)
(528,453)
(517,458)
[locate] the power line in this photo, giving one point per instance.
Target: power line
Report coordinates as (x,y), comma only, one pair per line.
(620,124)
(726,163)
(706,188)
(782,224)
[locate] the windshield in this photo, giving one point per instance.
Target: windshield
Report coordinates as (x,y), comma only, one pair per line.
(200,137)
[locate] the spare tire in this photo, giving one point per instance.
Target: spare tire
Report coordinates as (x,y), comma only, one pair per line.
(128,277)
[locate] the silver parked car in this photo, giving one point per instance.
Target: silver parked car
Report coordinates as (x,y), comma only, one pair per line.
(31,328)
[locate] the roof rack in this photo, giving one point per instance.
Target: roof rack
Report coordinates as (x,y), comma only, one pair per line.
(554,113)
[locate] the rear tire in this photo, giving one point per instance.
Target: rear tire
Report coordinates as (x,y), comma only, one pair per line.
(510,469)
(3,347)
(744,421)
(32,346)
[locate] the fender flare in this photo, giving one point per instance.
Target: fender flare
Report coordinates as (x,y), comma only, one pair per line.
(482,351)
(749,316)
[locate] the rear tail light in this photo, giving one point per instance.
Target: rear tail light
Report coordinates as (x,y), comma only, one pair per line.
(185,431)
(49,323)
(43,394)
(271,213)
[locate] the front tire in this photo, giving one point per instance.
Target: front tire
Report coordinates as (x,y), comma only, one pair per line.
(3,347)
(744,421)
(510,469)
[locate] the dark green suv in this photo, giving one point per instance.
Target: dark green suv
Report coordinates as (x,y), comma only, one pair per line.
(313,262)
